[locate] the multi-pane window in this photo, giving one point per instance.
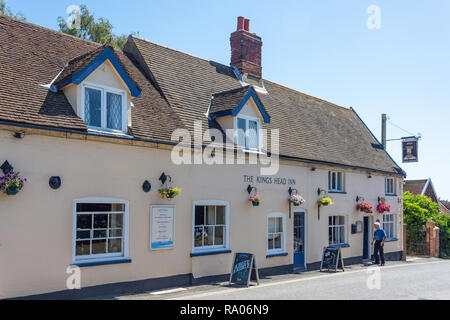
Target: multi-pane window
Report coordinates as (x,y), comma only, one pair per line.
(337,230)
(389,186)
(335,181)
(100,230)
(247,135)
(275,234)
(104,108)
(210,227)
(389,225)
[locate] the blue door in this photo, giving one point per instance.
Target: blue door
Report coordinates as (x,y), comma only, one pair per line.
(299,240)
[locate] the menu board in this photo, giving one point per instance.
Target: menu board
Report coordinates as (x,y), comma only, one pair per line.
(162,226)
(244,269)
(332,259)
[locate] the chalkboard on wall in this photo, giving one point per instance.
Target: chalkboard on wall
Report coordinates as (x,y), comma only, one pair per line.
(244,269)
(332,259)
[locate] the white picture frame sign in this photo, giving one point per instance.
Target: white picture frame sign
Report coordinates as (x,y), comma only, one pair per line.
(162,227)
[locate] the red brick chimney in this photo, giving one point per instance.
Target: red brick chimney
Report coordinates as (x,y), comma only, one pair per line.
(246,49)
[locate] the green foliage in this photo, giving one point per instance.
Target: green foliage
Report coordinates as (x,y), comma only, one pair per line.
(7,11)
(418,210)
(100,31)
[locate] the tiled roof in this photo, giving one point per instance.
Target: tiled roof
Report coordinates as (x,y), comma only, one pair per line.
(310,128)
(415,186)
(32,56)
(176,90)
(228,100)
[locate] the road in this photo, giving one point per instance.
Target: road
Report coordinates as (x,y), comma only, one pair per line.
(414,281)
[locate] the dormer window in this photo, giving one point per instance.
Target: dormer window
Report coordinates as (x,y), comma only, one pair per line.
(248,133)
(104,108)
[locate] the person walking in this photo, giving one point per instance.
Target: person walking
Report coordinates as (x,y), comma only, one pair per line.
(378,238)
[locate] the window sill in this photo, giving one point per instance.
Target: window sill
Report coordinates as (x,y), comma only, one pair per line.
(280,254)
(337,192)
(105,132)
(100,263)
(391,240)
(209,253)
(341,245)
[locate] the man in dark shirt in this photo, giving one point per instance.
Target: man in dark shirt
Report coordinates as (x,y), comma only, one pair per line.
(378,238)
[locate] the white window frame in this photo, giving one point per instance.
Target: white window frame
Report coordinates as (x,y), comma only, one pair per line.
(105,90)
(247,119)
(338,225)
(283,237)
(394,231)
(103,257)
(386,181)
(226,242)
(330,179)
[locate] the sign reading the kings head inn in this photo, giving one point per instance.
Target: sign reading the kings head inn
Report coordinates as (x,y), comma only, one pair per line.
(269,180)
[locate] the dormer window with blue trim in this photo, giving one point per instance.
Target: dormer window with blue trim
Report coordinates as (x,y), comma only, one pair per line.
(104,108)
(248,133)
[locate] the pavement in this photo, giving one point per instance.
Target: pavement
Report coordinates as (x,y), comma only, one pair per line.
(419,278)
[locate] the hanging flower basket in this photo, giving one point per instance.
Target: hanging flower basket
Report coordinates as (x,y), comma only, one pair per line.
(255,200)
(382,208)
(324,202)
(169,193)
(296,200)
(365,207)
(12,183)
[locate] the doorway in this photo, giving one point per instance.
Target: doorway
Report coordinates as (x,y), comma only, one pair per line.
(367,247)
(299,241)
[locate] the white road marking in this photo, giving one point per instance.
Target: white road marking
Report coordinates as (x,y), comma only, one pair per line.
(158,293)
(225,291)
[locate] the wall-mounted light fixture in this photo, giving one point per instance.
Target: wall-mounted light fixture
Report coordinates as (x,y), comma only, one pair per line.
(19,135)
(313,169)
(164,178)
(369,176)
(250,189)
(6,167)
(358,199)
(147,187)
(292,191)
(55,182)
(321,191)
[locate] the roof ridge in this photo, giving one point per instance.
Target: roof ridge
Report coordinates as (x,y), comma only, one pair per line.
(47,29)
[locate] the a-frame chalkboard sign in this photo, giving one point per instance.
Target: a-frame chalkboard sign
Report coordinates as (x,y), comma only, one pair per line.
(244,270)
(332,259)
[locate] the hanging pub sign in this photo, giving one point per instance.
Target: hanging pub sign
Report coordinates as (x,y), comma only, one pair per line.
(410,148)
(244,269)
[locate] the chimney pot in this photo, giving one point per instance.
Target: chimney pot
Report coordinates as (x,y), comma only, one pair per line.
(247,25)
(240,25)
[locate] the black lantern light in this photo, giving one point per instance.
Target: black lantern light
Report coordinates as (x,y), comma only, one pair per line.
(6,167)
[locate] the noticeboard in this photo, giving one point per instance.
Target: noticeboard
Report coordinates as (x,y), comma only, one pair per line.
(244,269)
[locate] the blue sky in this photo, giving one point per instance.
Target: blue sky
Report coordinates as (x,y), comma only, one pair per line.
(322,48)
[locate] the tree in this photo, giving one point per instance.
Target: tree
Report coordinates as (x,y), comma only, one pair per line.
(7,11)
(418,210)
(99,31)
